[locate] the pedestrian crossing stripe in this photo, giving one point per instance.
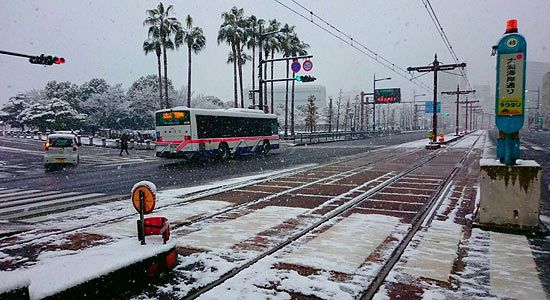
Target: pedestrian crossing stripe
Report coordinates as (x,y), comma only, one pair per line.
(19,204)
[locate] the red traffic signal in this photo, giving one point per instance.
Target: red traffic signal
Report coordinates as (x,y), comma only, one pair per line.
(46,60)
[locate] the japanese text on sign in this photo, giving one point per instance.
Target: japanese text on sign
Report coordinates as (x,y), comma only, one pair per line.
(510,100)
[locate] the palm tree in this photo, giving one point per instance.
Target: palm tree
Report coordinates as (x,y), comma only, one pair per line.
(231,32)
(196,42)
(242,60)
(151,45)
(162,26)
(273,44)
(287,46)
(252,40)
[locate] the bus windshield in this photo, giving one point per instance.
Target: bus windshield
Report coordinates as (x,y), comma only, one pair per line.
(172,118)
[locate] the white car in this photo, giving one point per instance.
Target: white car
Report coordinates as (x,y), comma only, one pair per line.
(61,149)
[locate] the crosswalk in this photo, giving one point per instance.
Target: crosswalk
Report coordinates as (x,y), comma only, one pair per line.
(8,169)
(115,160)
(27,205)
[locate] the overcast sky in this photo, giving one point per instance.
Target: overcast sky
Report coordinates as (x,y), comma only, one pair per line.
(104,39)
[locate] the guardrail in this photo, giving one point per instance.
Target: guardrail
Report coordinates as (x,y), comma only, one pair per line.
(86,140)
(303,138)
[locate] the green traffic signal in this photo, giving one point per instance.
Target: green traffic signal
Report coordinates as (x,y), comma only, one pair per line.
(304,78)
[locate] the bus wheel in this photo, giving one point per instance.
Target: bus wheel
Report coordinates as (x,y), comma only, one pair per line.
(223,151)
(266,147)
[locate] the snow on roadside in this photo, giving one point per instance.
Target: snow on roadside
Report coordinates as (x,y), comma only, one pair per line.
(55,273)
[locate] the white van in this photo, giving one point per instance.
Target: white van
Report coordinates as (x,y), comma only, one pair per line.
(61,149)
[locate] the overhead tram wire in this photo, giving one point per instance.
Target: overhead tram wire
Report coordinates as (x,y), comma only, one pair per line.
(446,41)
(353,43)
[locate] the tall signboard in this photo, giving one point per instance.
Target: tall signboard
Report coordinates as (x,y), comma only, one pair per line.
(392,95)
(510,92)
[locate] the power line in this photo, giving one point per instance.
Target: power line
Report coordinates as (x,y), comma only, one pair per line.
(446,41)
(349,40)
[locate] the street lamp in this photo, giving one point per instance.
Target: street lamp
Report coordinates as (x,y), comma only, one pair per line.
(373,100)
(538,106)
(415,111)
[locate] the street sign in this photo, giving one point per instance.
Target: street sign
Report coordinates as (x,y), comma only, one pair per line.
(429,107)
(392,95)
(295,67)
(308,65)
(149,198)
(510,90)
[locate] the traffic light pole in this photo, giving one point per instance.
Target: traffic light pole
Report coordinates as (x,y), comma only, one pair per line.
(435,67)
(458,92)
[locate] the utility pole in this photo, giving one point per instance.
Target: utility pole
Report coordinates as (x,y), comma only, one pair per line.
(374,99)
(435,67)
(467,102)
(329,114)
(415,118)
(458,92)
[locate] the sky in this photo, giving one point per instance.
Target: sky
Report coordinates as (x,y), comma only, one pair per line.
(104,39)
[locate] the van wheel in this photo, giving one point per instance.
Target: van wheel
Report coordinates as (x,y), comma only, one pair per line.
(223,151)
(266,147)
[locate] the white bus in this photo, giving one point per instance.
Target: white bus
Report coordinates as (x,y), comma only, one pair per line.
(191,133)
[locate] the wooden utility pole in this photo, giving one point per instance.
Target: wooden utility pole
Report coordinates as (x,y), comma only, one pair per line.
(458,92)
(467,102)
(435,67)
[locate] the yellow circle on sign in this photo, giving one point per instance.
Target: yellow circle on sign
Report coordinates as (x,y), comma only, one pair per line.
(512,42)
(149,199)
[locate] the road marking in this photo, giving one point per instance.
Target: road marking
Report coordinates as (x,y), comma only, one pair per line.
(513,271)
(24,195)
(18,150)
(27,208)
(353,239)
(226,234)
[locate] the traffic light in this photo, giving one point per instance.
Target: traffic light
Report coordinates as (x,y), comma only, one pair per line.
(304,78)
(46,60)
(446,114)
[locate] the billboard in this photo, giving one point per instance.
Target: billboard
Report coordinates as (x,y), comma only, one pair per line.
(392,95)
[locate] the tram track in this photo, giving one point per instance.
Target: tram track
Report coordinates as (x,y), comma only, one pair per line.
(442,188)
(8,242)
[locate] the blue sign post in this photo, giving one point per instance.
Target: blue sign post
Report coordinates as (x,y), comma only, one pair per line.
(429,107)
(510,93)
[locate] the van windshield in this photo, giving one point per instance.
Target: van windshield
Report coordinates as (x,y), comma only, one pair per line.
(60,142)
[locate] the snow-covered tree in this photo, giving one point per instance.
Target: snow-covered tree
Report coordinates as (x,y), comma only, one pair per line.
(63,115)
(208,102)
(108,109)
(64,91)
(94,86)
(312,115)
(13,108)
(144,100)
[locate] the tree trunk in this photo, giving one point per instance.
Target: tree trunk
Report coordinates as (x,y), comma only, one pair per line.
(160,79)
(286,99)
(240,66)
(236,97)
(166,79)
(253,73)
(265,83)
(292,108)
(189,77)
(272,56)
